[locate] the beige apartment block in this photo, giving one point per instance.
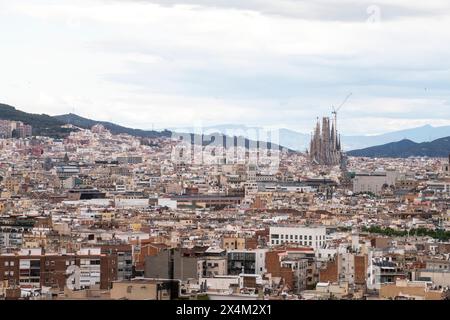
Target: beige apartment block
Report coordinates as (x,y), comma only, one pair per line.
(416,290)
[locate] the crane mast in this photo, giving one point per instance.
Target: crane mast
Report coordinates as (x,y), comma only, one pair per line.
(335,112)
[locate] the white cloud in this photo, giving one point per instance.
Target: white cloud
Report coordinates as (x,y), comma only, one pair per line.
(267,62)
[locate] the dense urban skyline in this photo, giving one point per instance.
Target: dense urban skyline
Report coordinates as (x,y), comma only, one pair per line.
(306,156)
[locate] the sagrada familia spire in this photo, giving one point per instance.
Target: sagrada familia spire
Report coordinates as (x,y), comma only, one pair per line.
(325,148)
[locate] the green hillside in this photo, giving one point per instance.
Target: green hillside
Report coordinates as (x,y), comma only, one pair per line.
(406,148)
(43,125)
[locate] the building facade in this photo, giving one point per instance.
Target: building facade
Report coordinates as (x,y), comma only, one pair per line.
(305,236)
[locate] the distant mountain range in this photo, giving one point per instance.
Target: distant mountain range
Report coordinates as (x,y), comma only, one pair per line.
(52,126)
(411,142)
(207,139)
(300,141)
(425,133)
(406,148)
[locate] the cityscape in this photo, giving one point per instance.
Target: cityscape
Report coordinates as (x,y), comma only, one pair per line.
(98,215)
(355,208)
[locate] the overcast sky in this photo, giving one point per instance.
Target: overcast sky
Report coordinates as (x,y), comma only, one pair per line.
(278,63)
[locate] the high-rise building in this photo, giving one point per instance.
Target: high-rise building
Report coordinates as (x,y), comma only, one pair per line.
(14,129)
(325,148)
(23,130)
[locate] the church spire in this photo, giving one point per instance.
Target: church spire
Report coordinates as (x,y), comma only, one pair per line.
(325,143)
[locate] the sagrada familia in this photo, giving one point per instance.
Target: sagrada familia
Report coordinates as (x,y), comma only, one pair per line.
(325,148)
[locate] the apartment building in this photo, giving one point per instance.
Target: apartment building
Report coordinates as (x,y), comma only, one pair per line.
(246,261)
(346,267)
(33,268)
(233,243)
(301,235)
(411,290)
(124,255)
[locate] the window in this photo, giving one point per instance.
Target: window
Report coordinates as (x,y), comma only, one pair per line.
(296,237)
(35,263)
(6,273)
(6,263)
(11,273)
(35,273)
(11,263)
(310,237)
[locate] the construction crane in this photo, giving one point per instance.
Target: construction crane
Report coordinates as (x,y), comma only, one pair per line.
(336,110)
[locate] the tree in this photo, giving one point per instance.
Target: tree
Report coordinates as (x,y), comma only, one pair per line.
(15,133)
(48,164)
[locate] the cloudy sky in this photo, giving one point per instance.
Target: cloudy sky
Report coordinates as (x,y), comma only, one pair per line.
(277,63)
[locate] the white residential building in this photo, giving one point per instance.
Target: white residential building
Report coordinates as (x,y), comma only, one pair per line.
(306,236)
